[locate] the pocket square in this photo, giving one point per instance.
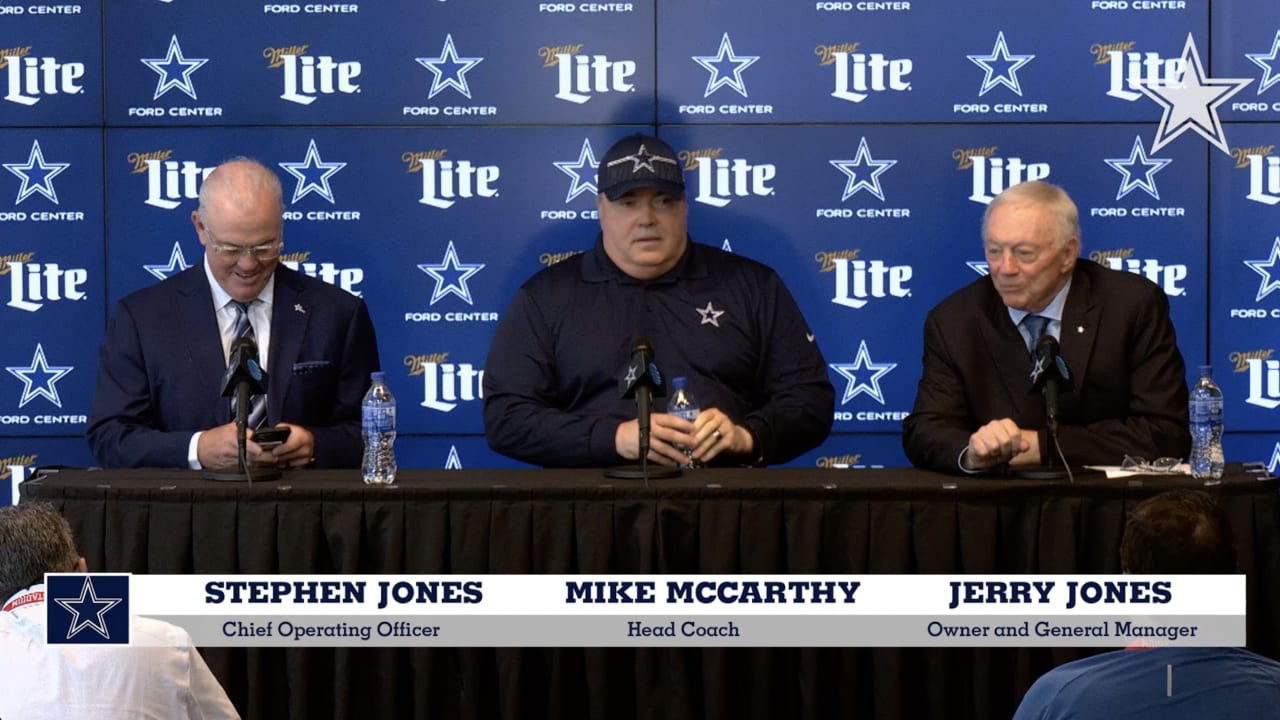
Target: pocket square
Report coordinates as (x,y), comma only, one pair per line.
(309,366)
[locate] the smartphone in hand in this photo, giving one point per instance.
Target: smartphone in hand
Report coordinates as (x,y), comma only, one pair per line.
(268,438)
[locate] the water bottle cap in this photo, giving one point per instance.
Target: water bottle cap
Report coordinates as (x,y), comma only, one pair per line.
(679,383)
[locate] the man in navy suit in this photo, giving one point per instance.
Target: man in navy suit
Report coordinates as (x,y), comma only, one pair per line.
(1128,395)
(158,399)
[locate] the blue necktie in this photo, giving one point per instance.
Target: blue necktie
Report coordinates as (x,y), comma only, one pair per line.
(1036,326)
(258,403)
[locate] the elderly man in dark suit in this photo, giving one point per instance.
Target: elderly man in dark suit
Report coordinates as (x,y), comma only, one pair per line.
(158,403)
(973,409)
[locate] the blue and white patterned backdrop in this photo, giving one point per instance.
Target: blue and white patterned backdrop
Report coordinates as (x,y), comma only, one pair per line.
(435,153)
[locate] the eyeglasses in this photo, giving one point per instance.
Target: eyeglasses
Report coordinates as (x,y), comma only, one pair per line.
(266,251)
(1164,465)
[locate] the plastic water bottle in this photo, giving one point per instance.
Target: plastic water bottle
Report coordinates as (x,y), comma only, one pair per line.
(683,405)
(378,421)
(1206,428)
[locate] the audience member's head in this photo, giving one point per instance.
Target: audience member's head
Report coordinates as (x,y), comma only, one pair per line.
(34,540)
(1179,531)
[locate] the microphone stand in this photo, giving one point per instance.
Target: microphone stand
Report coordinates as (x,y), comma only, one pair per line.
(242,473)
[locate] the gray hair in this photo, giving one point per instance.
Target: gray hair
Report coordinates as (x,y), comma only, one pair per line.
(1046,195)
(34,540)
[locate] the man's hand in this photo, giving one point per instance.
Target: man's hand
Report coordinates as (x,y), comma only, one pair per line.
(1001,441)
(710,435)
(299,450)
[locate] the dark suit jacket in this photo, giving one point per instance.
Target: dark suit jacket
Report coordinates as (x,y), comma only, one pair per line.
(1128,387)
(161,365)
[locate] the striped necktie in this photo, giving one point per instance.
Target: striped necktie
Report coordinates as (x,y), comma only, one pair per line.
(1036,326)
(244,329)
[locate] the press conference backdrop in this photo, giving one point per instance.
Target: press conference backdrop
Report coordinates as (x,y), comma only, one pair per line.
(436,153)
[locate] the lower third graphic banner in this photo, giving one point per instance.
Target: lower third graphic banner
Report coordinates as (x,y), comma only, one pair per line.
(666,610)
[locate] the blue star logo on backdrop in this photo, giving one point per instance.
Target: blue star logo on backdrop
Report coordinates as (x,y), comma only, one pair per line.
(174,70)
(1144,180)
(37,175)
(451,276)
(1192,104)
(725,68)
(449,69)
(88,611)
(177,263)
(1266,61)
(1000,54)
(710,315)
(453,462)
(871,183)
(1270,282)
(870,386)
(312,174)
(583,172)
(979,266)
(39,366)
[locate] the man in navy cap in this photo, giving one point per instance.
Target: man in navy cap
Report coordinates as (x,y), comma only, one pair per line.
(727,323)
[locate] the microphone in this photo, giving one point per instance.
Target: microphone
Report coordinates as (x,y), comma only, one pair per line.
(244,367)
(1049,374)
(644,382)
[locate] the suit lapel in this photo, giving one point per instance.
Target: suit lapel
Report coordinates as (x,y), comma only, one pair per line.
(289,320)
(203,340)
(1008,352)
(1080,319)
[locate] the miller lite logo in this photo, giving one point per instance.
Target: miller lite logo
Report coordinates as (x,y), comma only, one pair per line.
(169,182)
(579,76)
(992,175)
(32,284)
(1264,172)
(859,280)
(445,384)
(445,180)
(30,78)
(306,77)
(1168,277)
(720,180)
(1129,70)
(857,74)
(1264,376)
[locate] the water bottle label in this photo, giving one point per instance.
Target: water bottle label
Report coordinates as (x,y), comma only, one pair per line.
(378,419)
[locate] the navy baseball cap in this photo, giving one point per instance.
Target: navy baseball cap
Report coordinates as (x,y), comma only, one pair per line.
(640,161)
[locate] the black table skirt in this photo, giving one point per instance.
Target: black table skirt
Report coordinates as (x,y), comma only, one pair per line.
(710,521)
